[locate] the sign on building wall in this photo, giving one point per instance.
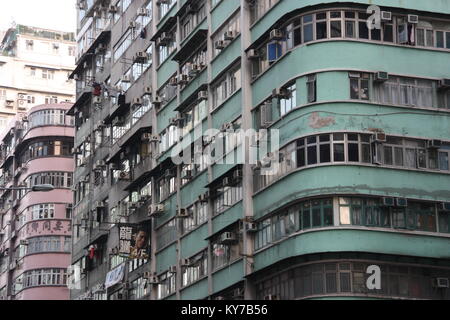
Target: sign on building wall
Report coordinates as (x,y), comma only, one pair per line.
(56,227)
(134,241)
(115,276)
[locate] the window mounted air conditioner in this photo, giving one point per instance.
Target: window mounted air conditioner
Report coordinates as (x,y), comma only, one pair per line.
(194,70)
(182,79)
(386,16)
(154,280)
(434,144)
(137,101)
(147,90)
(204,197)
(202,95)
(155,209)
(133,24)
(97,100)
(401,202)
(143,12)
(250,227)
(227,126)
(185,262)
(381,76)
(172,269)
(141,57)
(157,101)
(440,282)
(165,38)
(113,9)
(379,137)
(252,54)
(125,79)
(276,34)
(183,213)
(229,35)
(412,18)
(173,81)
(281,93)
(170,173)
(228,238)
(444,84)
(219,45)
(146,136)
(387,202)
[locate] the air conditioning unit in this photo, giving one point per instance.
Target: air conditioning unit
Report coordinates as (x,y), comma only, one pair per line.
(271,297)
(379,137)
(97,100)
(226,182)
(153,280)
(276,34)
(251,227)
(24,119)
(444,206)
(177,120)
(173,81)
(140,57)
(113,9)
(24,242)
(143,12)
(118,121)
(148,90)
(194,70)
(226,126)
(155,138)
(412,18)
(100,204)
(204,197)
(125,79)
(401,202)
(133,24)
(146,136)
(183,79)
(440,283)
(387,202)
(281,93)
(172,269)
(219,45)
(252,54)
(124,176)
(183,213)
(202,95)
(444,84)
(100,163)
(170,173)
(137,101)
(165,38)
(228,238)
(185,262)
(434,144)
(229,35)
(381,76)
(144,198)
(156,101)
(101,48)
(386,16)
(237,175)
(155,209)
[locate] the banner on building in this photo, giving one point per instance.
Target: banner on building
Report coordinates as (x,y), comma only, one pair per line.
(115,276)
(134,241)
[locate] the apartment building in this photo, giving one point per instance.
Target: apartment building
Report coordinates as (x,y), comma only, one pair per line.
(36,227)
(34,67)
(363,174)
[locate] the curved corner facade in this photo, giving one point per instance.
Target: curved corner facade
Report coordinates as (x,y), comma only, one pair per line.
(362,179)
(36,226)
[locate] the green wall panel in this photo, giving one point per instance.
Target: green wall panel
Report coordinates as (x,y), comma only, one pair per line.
(228,217)
(228,55)
(166,258)
(222,11)
(196,291)
(355,241)
(194,242)
(228,276)
(348,179)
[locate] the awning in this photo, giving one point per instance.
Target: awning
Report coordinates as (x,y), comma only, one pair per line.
(191,45)
(170,22)
(192,98)
(80,101)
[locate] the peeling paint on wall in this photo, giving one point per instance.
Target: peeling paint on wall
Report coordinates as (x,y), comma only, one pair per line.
(317,122)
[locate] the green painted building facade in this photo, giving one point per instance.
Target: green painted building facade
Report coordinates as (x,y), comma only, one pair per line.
(364,164)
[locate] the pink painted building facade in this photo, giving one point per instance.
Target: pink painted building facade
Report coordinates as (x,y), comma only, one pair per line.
(35,230)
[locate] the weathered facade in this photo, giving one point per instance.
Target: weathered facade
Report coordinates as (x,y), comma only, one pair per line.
(363,120)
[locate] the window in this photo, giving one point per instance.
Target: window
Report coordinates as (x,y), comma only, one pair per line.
(363,212)
(288,102)
(311,88)
(233,25)
(224,254)
(197,269)
(359,86)
(167,285)
(226,86)
(198,215)
(166,234)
